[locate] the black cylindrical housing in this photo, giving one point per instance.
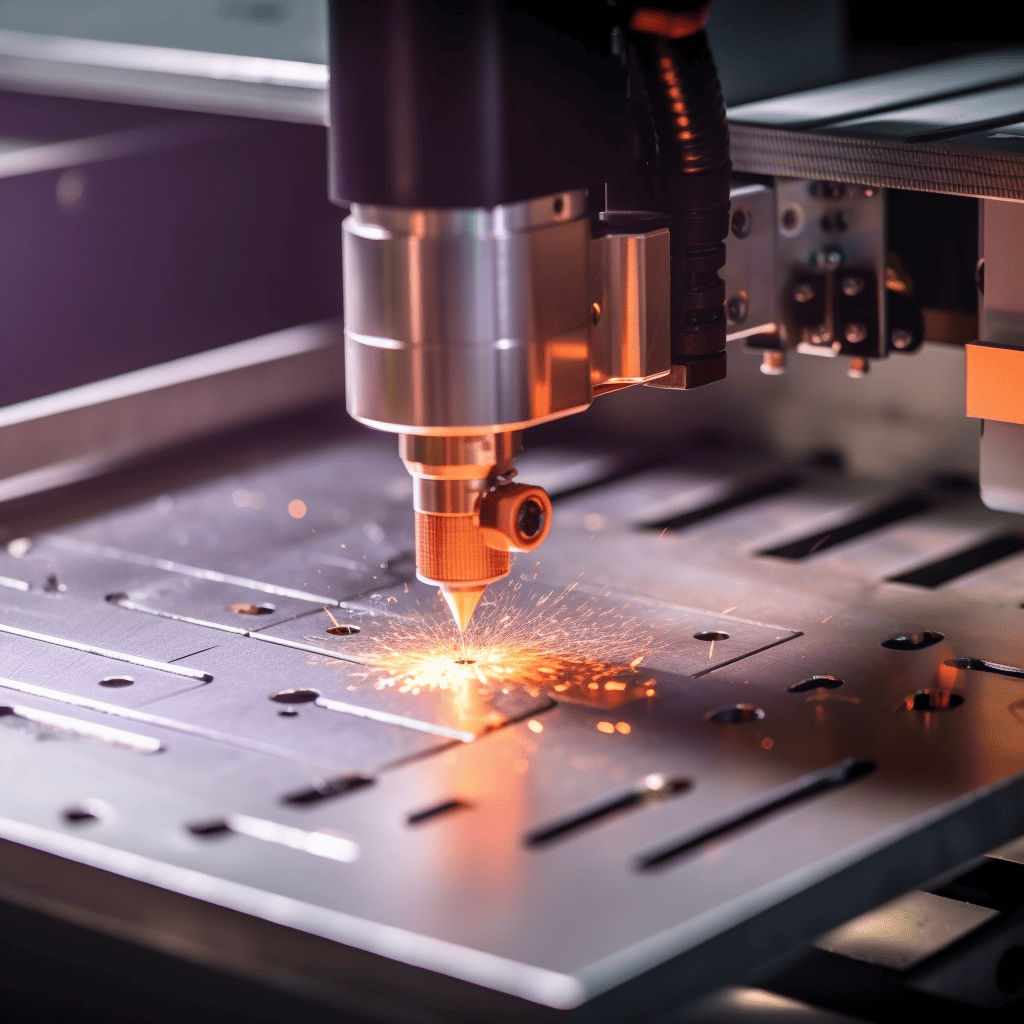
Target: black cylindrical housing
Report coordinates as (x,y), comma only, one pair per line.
(472,103)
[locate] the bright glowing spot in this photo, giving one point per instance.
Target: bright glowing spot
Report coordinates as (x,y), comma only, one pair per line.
(580,652)
(605,727)
(623,727)
(296,508)
(767,743)
(534,726)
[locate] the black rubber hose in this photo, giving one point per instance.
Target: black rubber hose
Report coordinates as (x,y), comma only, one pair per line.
(691,137)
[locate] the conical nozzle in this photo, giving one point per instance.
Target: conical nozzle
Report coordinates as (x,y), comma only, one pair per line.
(462,601)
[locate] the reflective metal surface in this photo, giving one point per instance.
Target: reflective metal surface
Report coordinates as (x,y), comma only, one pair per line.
(953,127)
(382,848)
(467,321)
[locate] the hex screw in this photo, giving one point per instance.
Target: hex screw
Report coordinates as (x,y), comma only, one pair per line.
(741,222)
(836,221)
(791,219)
(852,285)
(855,333)
(803,292)
(736,309)
(821,335)
(901,338)
(830,257)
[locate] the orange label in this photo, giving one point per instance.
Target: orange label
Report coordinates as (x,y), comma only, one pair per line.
(995,383)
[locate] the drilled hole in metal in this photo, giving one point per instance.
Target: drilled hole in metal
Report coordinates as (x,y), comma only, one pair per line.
(710,635)
(295,696)
(735,715)
(116,681)
(913,641)
(932,700)
(287,712)
(218,827)
(464,661)
(86,811)
(326,788)
(652,789)
(343,630)
(447,807)
(559,204)
(816,683)
(245,608)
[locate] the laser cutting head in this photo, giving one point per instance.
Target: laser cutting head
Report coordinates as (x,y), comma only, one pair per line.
(470,517)
(462,327)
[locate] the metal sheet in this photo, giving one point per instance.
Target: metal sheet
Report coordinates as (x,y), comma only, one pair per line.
(733,783)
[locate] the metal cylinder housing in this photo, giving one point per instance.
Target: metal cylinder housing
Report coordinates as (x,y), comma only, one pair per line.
(461,321)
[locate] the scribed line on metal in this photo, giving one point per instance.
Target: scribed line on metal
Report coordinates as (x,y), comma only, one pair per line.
(400,720)
(150,719)
(135,606)
(103,652)
(310,648)
(106,734)
(103,551)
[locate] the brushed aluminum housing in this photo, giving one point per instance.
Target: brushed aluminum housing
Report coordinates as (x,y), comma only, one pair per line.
(467,321)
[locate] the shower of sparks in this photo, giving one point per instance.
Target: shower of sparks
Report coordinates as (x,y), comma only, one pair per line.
(578,652)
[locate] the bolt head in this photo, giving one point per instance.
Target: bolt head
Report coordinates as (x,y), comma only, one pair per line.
(855,333)
(740,222)
(830,257)
(773,362)
(900,338)
(803,292)
(736,309)
(852,285)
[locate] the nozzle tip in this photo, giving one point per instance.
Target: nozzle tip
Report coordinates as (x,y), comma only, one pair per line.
(462,601)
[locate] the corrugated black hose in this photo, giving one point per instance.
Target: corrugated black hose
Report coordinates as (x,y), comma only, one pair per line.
(692,162)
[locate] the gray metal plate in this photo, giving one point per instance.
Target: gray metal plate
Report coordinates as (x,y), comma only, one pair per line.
(550,845)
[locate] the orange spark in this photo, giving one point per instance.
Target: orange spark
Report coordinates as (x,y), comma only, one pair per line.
(581,652)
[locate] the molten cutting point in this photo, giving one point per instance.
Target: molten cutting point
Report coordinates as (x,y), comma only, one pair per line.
(462,601)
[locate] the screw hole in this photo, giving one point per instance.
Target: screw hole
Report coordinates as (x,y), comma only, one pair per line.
(559,204)
(295,696)
(932,700)
(741,222)
(116,681)
(530,519)
(251,609)
(791,220)
(287,712)
(88,810)
(710,635)
(913,641)
(816,683)
(735,715)
(343,630)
